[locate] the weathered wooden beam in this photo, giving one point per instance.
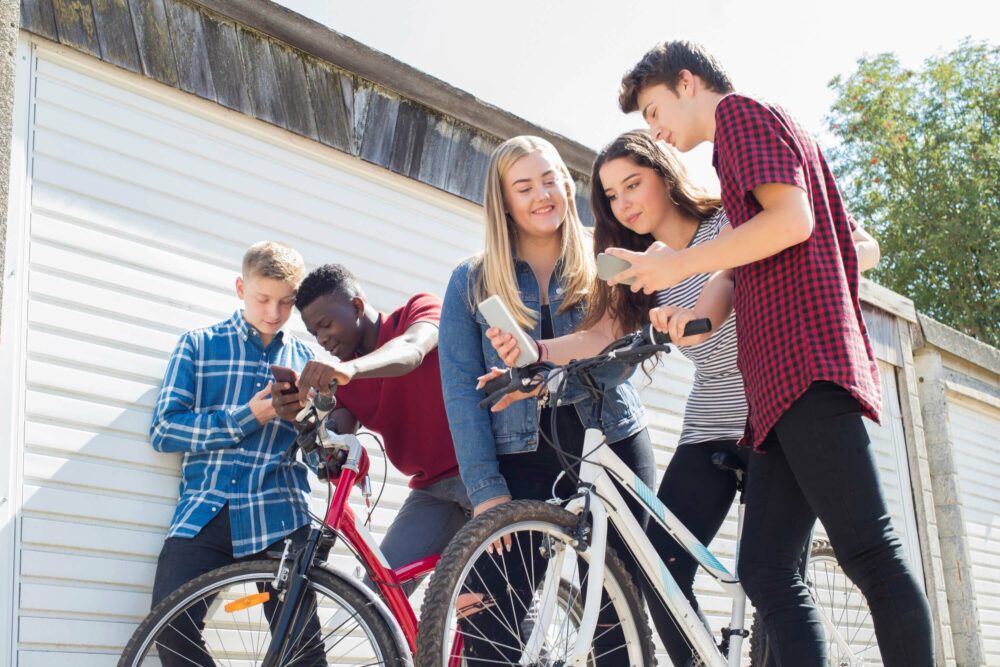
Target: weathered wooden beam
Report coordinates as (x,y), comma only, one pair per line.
(289,67)
(75,25)
(116,34)
(152,34)
(39,17)
(226,64)
(334,124)
(187,34)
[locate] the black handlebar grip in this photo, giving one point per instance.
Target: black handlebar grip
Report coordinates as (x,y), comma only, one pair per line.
(692,328)
(498,383)
(696,327)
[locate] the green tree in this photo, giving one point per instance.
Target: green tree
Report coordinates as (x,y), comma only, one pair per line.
(919,163)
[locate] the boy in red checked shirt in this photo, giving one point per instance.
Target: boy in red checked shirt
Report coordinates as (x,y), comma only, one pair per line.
(390,383)
(790,270)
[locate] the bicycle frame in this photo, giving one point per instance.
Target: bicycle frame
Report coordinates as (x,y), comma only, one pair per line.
(342,519)
(596,483)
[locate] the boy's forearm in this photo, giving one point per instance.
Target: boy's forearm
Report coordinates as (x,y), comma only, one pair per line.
(766,234)
(398,356)
(387,361)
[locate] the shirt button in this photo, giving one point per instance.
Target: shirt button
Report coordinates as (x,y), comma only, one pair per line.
(559,290)
(234,481)
(214,508)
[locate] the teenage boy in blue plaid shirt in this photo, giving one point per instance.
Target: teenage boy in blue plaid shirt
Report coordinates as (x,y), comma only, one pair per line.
(215,408)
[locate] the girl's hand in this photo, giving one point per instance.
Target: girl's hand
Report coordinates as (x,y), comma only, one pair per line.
(507,399)
(658,268)
(504,344)
(672,320)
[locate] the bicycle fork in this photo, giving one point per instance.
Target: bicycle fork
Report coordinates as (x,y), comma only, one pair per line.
(288,626)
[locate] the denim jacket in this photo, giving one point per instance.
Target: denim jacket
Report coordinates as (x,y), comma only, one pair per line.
(465,353)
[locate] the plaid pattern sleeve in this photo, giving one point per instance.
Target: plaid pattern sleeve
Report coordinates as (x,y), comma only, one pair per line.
(203,413)
(177,427)
(799,316)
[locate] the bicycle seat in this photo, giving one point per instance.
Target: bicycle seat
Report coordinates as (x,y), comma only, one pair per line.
(729,461)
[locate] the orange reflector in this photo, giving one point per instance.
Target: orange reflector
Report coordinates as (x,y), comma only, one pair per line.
(248,601)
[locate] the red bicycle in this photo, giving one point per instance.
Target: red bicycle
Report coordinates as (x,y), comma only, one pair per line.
(292,609)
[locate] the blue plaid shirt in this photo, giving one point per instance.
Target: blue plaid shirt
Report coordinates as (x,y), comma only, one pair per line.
(203,411)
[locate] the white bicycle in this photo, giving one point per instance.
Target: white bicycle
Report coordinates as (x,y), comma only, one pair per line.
(513,560)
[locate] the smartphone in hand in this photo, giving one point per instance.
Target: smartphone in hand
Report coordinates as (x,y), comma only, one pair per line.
(283,374)
(609,266)
(498,315)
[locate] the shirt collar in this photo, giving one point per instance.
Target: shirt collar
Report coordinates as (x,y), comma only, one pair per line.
(246,331)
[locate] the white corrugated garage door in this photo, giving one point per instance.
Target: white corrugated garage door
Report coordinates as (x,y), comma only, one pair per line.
(138,203)
(974,428)
(142,201)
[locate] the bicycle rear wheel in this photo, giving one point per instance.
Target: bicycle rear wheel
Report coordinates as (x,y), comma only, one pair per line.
(494,602)
(850,633)
(223,618)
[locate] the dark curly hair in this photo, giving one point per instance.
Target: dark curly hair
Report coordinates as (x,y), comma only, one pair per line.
(327,279)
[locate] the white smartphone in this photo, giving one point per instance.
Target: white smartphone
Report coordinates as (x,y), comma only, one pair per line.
(498,315)
(609,266)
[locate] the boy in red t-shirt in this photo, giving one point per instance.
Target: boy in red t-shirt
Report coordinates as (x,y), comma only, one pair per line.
(807,363)
(389,383)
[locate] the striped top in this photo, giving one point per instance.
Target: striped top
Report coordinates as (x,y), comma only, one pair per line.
(717,406)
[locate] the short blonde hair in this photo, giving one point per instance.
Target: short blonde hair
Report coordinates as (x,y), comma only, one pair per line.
(277,261)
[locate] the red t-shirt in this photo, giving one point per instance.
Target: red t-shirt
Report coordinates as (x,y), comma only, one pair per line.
(407,411)
(798,313)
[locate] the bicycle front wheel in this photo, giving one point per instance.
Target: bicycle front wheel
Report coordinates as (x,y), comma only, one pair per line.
(523,605)
(224,618)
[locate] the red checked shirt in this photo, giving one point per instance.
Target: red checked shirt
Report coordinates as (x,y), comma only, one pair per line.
(798,314)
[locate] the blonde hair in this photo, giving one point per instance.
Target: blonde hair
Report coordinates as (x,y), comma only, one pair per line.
(494,267)
(277,261)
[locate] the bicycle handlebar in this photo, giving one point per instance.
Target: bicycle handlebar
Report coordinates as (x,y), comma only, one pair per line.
(634,347)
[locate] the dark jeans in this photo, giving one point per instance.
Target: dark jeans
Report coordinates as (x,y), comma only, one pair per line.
(818,462)
(700,495)
(530,476)
(183,559)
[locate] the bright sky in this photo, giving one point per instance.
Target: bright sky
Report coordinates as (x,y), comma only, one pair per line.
(557,63)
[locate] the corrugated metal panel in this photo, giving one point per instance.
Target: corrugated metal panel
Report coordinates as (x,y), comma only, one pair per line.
(974,427)
(141,205)
(142,201)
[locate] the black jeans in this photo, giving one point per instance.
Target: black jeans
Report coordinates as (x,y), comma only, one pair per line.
(700,495)
(530,476)
(818,462)
(183,559)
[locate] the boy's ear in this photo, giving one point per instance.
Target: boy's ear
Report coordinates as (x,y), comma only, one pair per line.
(685,83)
(359,306)
(239,287)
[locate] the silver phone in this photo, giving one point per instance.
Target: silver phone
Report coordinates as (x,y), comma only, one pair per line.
(609,266)
(498,315)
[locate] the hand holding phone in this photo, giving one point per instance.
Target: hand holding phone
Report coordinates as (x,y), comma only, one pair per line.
(283,374)
(498,315)
(609,266)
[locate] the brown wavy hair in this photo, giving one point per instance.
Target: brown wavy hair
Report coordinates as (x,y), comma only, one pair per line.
(630,311)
